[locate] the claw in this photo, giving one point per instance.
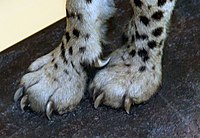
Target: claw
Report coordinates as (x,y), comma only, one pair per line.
(101,63)
(24,102)
(98,100)
(49,109)
(18,94)
(127,104)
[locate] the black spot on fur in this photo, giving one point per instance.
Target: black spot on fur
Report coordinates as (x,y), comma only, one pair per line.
(127,65)
(143,54)
(161,43)
(132,38)
(82,49)
(76,33)
(67,36)
(158,31)
(144,20)
(87,36)
(70,51)
(55,79)
(89,1)
(145,58)
(75,68)
(142,68)
(52,60)
(138,3)
(62,48)
(122,58)
(79,16)
(149,7)
(72,64)
(161,2)
(152,44)
(72,15)
(132,53)
(158,15)
(142,36)
(55,65)
(65,71)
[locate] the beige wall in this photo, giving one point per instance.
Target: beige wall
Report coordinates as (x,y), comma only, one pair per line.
(22,18)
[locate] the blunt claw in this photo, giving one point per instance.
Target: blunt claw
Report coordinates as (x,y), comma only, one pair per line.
(101,63)
(49,109)
(24,102)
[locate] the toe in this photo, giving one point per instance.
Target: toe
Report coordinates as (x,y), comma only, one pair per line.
(40,62)
(39,95)
(30,79)
(66,99)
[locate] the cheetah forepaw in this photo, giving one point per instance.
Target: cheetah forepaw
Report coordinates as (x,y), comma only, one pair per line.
(54,83)
(125,82)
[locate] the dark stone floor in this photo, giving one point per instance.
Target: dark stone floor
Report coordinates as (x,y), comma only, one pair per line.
(173,112)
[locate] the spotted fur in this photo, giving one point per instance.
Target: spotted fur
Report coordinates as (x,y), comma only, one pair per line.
(122,85)
(56,81)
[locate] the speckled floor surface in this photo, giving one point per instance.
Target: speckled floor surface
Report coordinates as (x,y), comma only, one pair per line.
(173,112)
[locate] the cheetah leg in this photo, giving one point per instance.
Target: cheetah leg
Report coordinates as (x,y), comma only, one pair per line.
(134,73)
(56,81)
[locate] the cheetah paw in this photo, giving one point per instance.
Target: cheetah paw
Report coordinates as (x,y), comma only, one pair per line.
(125,81)
(55,83)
